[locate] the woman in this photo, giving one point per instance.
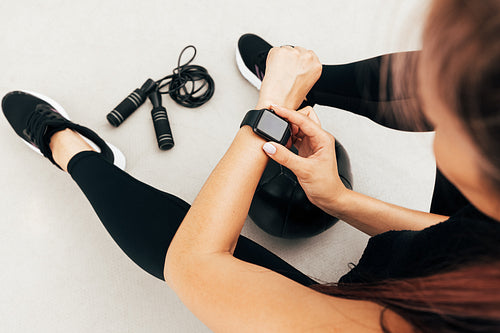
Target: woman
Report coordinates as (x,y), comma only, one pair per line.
(233,284)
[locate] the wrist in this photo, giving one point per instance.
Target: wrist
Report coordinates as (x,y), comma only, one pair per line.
(337,203)
(265,104)
(289,102)
(250,138)
(292,99)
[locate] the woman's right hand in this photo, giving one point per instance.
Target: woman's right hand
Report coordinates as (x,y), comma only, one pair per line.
(316,170)
(316,164)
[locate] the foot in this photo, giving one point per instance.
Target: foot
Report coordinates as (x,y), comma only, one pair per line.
(284,75)
(251,55)
(38,119)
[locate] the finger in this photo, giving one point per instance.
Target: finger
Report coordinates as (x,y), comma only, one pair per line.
(300,135)
(309,112)
(306,125)
(284,156)
(297,143)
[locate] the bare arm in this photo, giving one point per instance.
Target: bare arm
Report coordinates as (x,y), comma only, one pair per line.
(228,294)
(225,197)
(374,216)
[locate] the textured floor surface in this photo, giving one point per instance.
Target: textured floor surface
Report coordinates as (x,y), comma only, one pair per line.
(60,270)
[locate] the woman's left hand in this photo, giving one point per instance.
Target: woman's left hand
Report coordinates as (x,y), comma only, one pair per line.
(290,73)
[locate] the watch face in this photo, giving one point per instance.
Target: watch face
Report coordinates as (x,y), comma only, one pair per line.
(272,125)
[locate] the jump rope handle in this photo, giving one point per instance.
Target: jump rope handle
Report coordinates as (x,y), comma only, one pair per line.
(131,103)
(160,122)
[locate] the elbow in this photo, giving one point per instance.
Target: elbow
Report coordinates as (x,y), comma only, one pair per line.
(180,266)
(171,266)
(176,260)
(186,267)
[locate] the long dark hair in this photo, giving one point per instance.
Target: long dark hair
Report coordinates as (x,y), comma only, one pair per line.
(462,42)
(462,39)
(462,300)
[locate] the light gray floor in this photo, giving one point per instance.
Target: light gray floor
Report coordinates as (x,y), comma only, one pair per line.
(60,270)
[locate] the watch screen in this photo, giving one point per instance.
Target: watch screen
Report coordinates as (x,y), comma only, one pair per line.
(272,125)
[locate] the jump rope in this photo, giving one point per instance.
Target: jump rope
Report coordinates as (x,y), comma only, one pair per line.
(189,85)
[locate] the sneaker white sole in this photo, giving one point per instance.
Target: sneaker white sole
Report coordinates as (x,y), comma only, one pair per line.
(247,74)
(119,158)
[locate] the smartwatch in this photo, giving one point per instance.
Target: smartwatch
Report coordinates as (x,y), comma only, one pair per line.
(268,125)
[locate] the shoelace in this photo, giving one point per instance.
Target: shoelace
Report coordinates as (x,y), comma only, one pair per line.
(37,121)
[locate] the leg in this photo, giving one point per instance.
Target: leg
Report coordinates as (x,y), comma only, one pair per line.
(143,220)
(374,88)
(357,87)
(287,75)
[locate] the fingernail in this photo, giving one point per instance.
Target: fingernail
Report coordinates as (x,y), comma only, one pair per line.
(269,148)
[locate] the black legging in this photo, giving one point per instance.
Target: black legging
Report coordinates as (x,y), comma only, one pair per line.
(143,220)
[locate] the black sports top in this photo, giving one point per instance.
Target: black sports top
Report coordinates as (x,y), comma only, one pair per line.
(467,236)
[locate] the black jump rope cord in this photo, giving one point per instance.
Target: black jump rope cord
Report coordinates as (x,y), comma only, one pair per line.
(182,86)
(177,83)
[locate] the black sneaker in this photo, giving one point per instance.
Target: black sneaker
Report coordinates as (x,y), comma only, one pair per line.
(35,118)
(251,55)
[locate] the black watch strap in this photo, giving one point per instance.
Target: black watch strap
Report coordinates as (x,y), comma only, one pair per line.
(251,118)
